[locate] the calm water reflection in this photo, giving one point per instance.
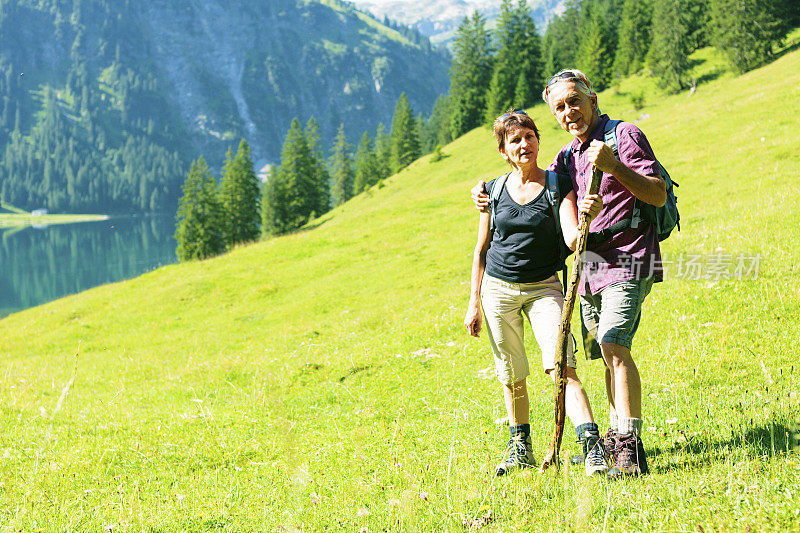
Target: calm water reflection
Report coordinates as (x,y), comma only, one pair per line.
(41,264)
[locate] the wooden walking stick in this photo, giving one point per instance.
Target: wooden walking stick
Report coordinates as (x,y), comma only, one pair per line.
(564,331)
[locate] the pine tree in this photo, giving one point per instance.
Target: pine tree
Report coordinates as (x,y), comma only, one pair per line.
(593,56)
(669,50)
(471,67)
(240,194)
(439,123)
(404,141)
(698,22)
(421,130)
(199,230)
(746,30)
(505,68)
(383,152)
(272,209)
(436,129)
(319,172)
(342,169)
(523,95)
(530,61)
(559,47)
(366,163)
(292,193)
(634,36)
(496,97)
(519,56)
(787,9)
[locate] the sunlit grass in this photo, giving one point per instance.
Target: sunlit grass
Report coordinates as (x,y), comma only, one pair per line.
(323,380)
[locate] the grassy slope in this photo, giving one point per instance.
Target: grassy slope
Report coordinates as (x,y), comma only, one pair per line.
(323,379)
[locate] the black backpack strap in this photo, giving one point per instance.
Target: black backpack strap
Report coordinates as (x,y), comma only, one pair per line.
(567,156)
(596,237)
(551,191)
(494,197)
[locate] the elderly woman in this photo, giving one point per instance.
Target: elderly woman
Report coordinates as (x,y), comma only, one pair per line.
(514,268)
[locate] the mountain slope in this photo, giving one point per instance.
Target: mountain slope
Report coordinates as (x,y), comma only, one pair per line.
(323,380)
(103,103)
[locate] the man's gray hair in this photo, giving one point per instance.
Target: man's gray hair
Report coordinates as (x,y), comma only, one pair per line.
(582,83)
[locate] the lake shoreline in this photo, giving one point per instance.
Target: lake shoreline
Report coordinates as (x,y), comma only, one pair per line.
(12,220)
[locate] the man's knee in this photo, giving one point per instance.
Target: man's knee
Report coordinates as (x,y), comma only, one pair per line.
(615,355)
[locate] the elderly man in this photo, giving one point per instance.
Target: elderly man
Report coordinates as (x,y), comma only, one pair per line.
(623,248)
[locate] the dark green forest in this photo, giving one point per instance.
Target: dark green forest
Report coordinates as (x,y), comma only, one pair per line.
(104,103)
(81,130)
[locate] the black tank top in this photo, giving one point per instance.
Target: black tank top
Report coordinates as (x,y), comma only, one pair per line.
(524,246)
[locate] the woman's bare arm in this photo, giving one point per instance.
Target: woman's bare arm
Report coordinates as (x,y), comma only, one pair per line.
(472,320)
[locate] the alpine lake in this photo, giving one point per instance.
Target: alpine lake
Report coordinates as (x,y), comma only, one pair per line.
(40,263)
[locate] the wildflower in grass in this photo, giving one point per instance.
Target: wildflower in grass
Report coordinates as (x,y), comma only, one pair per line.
(314,498)
(394,503)
(423,496)
(362,512)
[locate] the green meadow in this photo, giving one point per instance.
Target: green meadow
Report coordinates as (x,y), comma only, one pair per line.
(324,381)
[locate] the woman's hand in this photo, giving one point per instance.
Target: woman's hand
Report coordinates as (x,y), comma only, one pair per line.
(591,204)
(473,320)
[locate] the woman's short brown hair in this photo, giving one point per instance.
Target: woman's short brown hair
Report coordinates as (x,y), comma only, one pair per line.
(514,119)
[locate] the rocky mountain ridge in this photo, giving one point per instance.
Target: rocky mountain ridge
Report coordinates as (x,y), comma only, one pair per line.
(438,19)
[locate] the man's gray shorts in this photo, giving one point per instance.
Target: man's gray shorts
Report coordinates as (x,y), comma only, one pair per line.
(612,315)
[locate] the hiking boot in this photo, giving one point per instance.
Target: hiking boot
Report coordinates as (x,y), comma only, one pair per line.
(609,445)
(629,459)
(520,454)
(595,458)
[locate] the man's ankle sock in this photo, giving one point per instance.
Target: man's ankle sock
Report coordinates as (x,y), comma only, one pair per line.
(630,425)
(613,421)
